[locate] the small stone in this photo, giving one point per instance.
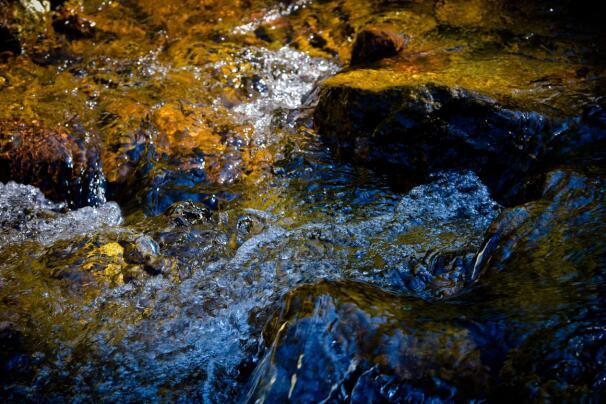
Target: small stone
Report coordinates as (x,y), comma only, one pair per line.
(72,25)
(262,34)
(158,265)
(8,41)
(188,213)
(373,44)
(139,251)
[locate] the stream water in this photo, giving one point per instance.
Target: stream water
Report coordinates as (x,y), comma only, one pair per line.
(237,234)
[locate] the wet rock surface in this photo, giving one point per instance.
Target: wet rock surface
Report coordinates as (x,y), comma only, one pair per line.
(61,163)
(376,43)
(550,247)
(437,234)
(421,128)
(566,218)
(428,128)
(343,342)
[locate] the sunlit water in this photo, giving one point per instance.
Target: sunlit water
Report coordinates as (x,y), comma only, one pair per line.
(102,326)
(190,338)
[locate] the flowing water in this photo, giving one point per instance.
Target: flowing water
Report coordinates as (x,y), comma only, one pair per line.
(228,202)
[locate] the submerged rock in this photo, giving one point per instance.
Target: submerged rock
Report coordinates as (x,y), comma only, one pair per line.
(55,160)
(188,213)
(347,342)
(562,362)
(563,234)
(8,41)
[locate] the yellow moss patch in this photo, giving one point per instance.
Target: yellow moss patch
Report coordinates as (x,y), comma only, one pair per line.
(112,249)
(469,13)
(521,80)
(106,263)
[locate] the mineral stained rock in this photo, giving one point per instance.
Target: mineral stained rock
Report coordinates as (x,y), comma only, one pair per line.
(63,164)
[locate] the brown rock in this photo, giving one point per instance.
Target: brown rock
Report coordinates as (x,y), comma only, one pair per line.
(72,25)
(54,160)
(375,43)
(8,41)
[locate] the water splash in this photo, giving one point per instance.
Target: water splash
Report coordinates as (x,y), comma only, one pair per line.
(25,214)
(282,79)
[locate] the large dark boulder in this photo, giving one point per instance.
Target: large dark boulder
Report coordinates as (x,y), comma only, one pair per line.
(412,128)
(425,128)
(352,343)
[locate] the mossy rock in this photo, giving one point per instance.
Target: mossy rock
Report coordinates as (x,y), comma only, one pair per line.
(500,116)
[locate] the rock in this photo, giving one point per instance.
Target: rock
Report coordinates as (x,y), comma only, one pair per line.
(8,41)
(348,342)
(141,250)
(55,160)
(427,128)
(459,99)
(423,115)
(14,359)
(561,234)
(188,213)
(563,362)
(72,25)
(376,43)
(470,13)
(144,253)
(90,263)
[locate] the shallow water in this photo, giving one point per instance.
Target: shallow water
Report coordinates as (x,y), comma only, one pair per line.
(153,298)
